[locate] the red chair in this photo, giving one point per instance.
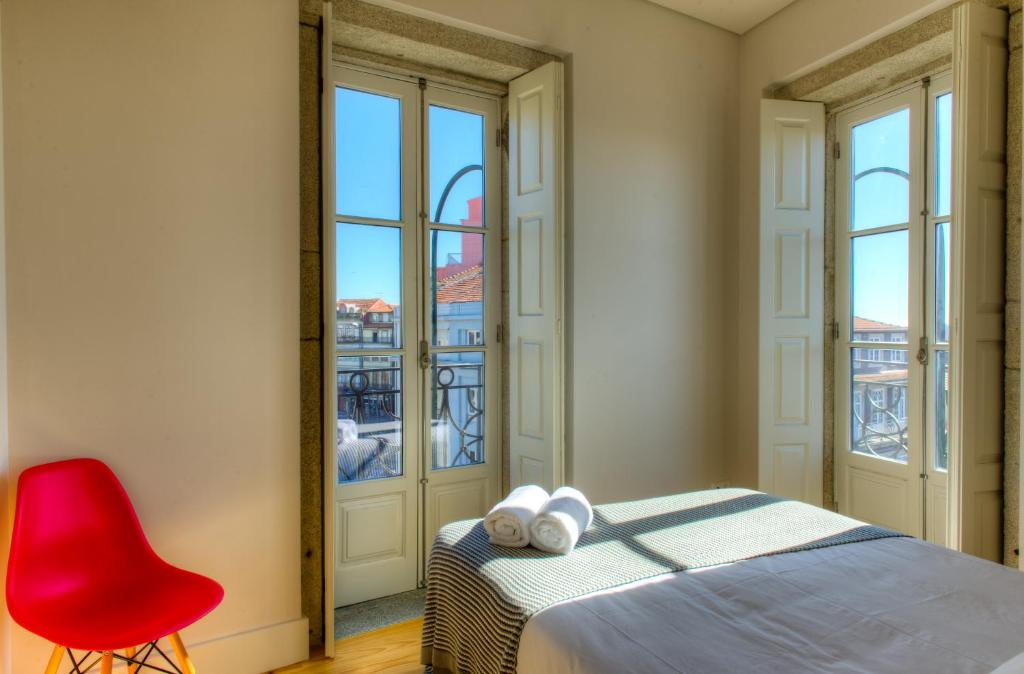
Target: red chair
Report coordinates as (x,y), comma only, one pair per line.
(83,576)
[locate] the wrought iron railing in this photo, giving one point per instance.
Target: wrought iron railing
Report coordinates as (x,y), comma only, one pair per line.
(371,398)
(878,428)
(469,429)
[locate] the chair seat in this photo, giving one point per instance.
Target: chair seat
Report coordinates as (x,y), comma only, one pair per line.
(140,606)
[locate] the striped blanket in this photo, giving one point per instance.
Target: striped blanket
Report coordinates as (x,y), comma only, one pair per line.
(479,596)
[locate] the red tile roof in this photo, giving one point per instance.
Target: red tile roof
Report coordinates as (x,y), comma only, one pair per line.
(868,325)
(374,305)
(465,286)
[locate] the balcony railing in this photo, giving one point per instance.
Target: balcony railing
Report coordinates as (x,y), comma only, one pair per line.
(371,399)
(877,428)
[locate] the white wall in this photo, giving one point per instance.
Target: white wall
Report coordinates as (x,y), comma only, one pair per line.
(652,127)
(152,279)
(5,622)
(805,35)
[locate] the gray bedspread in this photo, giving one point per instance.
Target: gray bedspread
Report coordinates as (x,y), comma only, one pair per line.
(480,596)
(888,606)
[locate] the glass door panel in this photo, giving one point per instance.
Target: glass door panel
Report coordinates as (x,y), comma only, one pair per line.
(458,432)
(941,411)
(457,279)
(369,418)
(941,281)
(943,154)
(368,272)
(879,403)
(456,142)
(881,171)
(368,168)
(880,287)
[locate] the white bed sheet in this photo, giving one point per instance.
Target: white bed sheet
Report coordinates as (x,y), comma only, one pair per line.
(894,605)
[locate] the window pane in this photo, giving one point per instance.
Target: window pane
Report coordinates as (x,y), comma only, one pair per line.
(880,291)
(943,153)
(881,165)
(457,405)
(368,135)
(368,275)
(369,417)
(941,410)
(456,165)
(878,395)
(942,258)
(457,271)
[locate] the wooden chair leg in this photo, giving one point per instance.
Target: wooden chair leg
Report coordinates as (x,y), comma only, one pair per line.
(130,653)
(179,651)
(107,663)
(55,658)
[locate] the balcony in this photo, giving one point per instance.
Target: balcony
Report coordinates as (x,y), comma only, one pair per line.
(879,423)
(370,418)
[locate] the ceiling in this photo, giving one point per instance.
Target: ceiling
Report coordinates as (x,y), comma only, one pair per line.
(738,16)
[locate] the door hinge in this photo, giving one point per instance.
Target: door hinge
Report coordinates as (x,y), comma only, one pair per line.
(424,354)
(922,351)
(838,153)
(835,331)
(501,333)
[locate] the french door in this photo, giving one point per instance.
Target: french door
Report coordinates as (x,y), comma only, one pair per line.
(893,247)
(415,250)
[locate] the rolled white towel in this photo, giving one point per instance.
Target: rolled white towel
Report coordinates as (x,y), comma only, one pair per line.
(557,527)
(508,523)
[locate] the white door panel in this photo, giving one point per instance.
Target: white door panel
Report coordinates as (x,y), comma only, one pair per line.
(535,269)
(373,349)
(880,230)
(791,302)
(462,385)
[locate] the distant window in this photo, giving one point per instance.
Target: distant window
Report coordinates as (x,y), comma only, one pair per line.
(474,337)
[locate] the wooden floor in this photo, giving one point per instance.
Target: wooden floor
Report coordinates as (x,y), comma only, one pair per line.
(391,650)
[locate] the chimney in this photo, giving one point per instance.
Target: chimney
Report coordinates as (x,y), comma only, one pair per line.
(476,212)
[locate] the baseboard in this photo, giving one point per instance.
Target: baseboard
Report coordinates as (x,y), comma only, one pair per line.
(255,651)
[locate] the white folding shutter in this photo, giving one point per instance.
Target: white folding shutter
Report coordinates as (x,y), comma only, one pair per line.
(790,362)
(535,277)
(980,57)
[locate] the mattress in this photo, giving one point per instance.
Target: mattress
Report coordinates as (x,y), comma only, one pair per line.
(879,606)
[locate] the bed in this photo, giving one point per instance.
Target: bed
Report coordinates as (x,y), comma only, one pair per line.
(720,581)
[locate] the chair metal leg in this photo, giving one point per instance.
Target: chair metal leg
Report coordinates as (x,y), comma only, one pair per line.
(107,663)
(179,651)
(55,658)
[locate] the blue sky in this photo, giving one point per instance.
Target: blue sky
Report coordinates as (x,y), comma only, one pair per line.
(368,137)
(369,185)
